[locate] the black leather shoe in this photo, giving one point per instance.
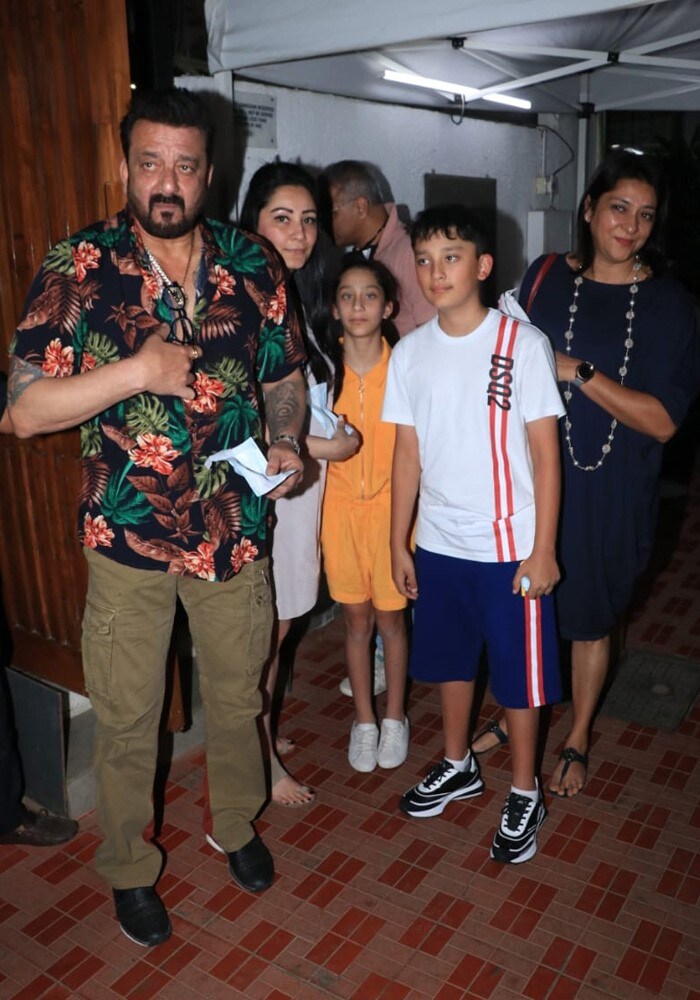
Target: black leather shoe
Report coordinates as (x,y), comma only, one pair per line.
(142,916)
(40,829)
(251,866)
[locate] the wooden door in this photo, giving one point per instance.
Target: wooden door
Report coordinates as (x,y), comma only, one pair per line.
(64,80)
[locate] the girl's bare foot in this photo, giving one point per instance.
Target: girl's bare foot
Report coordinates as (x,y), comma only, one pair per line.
(284,745)
(287,791)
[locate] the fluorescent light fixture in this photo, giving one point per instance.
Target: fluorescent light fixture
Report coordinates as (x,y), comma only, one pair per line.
(628,149)
(443,86)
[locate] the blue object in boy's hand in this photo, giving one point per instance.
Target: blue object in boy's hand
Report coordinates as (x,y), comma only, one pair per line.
(524,585)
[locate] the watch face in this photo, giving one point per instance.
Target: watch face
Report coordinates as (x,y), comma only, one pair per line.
(585,371)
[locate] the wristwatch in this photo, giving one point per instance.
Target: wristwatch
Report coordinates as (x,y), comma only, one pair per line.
(289,438)
(584,373)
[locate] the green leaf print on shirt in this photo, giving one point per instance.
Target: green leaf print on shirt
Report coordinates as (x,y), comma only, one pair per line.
(232,374)
(270,349)
(253,516)
(60,258)
(237,253)
(98,346)
(209,481)
(238,420)
(122,504)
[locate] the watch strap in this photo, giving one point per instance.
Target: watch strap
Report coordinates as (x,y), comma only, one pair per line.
(290,439)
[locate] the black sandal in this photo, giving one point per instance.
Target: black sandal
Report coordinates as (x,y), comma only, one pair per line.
(496,730)
(570,755)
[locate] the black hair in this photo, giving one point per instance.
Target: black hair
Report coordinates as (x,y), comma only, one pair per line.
(618,166)
(265,182)
(310,298)
(390,290)
(454,221)
(174,106)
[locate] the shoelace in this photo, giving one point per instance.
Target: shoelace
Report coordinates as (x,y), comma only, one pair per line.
(436,773)
(365,737)
(516,811)
(392,736)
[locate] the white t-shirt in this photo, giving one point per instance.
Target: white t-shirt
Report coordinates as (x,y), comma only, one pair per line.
(469,399)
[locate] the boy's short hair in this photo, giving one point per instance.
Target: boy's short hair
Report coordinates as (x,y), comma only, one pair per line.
(453,221)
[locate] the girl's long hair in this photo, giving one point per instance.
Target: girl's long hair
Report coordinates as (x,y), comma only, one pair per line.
(309,293)
(387,282)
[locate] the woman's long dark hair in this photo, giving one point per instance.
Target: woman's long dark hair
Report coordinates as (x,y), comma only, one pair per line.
(387,282)
(310,295)
(618,166)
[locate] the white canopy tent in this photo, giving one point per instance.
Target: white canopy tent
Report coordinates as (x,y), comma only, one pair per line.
(557,54)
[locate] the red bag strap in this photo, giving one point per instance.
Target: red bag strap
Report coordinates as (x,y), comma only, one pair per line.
(541,274)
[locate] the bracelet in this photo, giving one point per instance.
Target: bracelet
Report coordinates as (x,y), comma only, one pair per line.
(289,438)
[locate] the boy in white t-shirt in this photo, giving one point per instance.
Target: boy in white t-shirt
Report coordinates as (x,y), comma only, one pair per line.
(475,399)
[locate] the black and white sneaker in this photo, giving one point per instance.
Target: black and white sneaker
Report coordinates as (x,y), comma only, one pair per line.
(441,785)
(515,839)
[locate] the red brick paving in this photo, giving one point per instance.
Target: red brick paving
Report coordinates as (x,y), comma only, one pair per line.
(369,904)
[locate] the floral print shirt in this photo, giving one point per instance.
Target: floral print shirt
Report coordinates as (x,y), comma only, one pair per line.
(147,499)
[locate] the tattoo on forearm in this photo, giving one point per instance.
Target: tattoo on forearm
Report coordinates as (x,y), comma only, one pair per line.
(283,409)
(22,374)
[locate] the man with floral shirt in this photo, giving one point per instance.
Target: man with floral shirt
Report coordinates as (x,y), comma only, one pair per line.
(158,332)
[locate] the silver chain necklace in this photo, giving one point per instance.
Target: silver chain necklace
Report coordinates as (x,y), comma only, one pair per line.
(176,290)
(622,370)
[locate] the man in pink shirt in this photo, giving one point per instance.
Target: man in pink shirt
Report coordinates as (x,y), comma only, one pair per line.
(364,222)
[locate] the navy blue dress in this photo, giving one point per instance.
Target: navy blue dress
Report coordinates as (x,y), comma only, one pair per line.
(608,516)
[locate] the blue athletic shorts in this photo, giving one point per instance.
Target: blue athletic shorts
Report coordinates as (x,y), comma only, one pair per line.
(463,604)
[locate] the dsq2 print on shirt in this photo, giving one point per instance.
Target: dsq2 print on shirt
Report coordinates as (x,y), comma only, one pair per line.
(147,499)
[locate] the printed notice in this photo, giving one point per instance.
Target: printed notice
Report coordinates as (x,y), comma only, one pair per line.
(257,116)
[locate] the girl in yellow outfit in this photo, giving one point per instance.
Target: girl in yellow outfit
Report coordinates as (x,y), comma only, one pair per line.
(357,513)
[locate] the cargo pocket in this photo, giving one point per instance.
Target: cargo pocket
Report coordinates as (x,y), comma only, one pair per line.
(261,617)
(97,647)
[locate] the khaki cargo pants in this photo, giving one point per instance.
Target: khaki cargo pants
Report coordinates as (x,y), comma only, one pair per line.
(126,636)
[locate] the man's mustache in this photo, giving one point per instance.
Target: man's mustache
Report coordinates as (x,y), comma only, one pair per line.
(165,199)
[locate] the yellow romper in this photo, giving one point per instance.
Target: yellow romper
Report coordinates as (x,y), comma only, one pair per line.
(357,502)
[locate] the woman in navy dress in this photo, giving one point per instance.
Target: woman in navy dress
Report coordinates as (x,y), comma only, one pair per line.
(628,362)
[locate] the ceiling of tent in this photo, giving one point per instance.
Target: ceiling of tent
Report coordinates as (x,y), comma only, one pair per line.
(554,53)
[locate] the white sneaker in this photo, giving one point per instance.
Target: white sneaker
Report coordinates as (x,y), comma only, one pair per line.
(362,752)
(393,743)
(379,677)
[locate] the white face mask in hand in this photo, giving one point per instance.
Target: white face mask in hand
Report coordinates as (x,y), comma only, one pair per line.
(248,461)
(320,411)
(508,304)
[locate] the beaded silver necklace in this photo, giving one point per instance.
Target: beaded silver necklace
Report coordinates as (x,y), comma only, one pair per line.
(606,448)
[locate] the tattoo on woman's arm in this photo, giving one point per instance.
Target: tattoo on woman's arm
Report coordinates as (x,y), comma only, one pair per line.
(22,374)
(283,409)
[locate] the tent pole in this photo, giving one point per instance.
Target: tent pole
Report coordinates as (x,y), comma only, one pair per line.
(584,119)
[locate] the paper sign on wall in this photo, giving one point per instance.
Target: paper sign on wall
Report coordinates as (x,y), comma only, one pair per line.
(257,116)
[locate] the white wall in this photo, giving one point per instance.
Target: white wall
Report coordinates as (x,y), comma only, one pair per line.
(406,144)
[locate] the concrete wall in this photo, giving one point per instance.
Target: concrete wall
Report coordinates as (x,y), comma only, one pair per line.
(406,144)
